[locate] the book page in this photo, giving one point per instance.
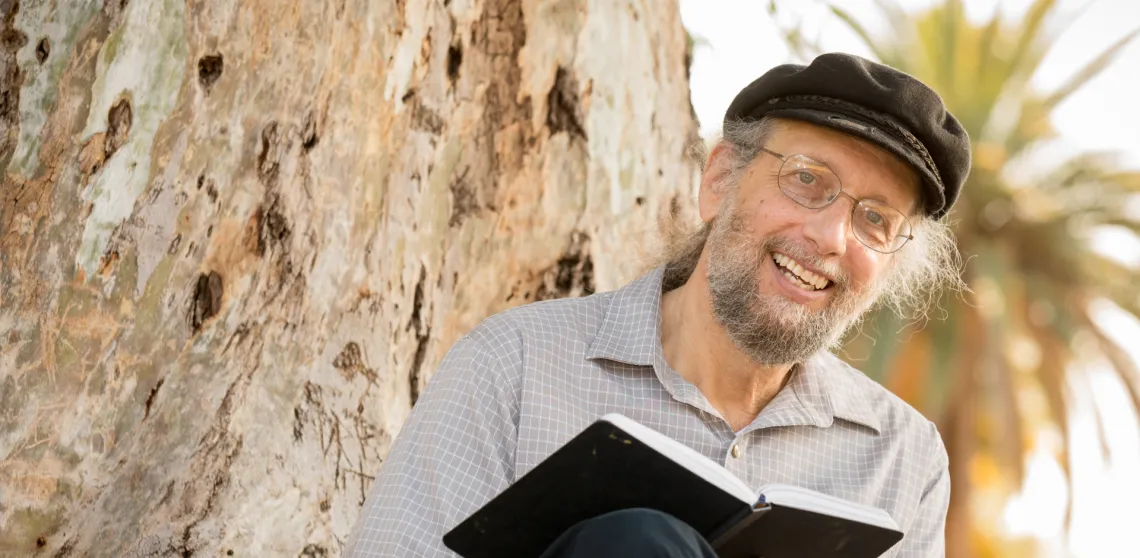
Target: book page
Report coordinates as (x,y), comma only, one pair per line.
(684,456)
(818,502)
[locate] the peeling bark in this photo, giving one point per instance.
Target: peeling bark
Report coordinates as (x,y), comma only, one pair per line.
(237,237)
(12,40)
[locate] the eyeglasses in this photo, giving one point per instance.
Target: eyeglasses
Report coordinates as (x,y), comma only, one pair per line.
(813,185)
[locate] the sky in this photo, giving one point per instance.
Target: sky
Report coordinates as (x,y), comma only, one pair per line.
(743,42)
(740,42)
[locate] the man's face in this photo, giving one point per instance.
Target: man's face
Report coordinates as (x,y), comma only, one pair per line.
(785,280)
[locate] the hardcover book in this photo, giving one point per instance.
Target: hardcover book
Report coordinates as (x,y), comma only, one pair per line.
(617,463)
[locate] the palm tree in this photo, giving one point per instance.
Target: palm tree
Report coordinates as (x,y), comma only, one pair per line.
(999,365)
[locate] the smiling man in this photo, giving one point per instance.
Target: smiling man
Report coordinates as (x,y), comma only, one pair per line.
(824,198)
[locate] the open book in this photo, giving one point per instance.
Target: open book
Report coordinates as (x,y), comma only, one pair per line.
(617,463)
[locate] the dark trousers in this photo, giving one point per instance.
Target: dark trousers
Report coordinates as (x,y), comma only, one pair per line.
(632,533)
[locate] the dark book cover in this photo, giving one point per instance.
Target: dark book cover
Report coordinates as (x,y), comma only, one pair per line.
(606,469)
(776,531)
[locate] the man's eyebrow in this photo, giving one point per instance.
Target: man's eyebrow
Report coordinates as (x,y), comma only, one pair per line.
(873,196)
(816,159)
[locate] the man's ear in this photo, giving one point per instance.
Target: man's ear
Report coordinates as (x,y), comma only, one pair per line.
(714,183)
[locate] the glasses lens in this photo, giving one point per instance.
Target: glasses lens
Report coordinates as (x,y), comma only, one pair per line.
(879,226)
(809,183)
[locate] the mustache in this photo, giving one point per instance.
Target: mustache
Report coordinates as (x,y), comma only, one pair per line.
(831,268)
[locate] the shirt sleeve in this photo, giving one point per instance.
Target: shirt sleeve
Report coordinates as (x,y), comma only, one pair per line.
(927,535)
(454,453)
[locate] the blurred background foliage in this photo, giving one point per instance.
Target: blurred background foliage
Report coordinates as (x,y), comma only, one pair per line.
(996,366)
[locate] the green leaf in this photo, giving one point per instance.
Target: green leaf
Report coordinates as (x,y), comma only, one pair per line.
(986,47)
(952,18)
(1022,64)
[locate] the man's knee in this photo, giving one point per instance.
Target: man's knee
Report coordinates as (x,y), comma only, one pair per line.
(636,530)
(633,532)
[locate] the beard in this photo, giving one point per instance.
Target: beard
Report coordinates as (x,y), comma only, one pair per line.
(770,328)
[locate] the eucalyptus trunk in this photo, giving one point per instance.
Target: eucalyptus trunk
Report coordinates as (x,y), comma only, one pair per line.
(236,236)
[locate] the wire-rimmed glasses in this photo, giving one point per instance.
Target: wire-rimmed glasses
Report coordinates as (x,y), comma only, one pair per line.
(813,185)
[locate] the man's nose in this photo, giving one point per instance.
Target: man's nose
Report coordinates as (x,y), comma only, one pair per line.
(827,227)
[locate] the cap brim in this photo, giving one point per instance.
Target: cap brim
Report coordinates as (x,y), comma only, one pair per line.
(933,196)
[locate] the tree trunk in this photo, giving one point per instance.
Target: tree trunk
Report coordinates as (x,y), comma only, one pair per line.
(236,236)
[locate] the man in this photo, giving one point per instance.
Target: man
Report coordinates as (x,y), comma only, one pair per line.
(824,197)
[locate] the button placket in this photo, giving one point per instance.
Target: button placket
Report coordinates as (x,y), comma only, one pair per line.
(735,460)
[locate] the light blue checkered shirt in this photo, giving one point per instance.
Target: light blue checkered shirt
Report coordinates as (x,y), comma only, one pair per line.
(525,381)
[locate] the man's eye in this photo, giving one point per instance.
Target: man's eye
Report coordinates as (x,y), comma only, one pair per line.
(876,218)
(805,177)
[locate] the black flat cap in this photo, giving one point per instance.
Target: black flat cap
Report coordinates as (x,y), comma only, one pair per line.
(872,101)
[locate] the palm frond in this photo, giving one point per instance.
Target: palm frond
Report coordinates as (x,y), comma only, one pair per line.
(1125,181)
(1028,241)
(986,45)
(896,15)
(1113,276)
(1101,432)
(799,45)
(868,39)
(1123,365)
(1090,71)
(1051,377)
(1027,52)
(1033,126)
(952,18)
(1000,314)
(988,78)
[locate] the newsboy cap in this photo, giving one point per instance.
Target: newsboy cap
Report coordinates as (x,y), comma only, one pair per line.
(872,101)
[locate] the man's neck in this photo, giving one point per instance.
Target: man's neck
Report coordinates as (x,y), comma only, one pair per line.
(699,349)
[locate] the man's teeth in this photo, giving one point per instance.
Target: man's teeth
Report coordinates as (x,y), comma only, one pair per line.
(802,277)
(796,281)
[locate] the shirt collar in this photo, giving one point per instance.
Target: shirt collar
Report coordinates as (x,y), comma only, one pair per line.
(631,331)
(631,334)
(822,389)
(830,389)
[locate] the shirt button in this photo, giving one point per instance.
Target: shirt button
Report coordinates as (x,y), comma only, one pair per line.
(735,450)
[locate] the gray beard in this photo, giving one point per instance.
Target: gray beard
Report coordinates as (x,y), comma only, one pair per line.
(769,328)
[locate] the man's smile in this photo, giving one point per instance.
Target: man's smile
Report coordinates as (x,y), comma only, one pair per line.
(798,283)
(799,274)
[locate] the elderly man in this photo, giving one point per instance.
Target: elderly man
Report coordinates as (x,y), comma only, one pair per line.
(824,197)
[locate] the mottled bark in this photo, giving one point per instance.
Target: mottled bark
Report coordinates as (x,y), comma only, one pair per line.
(236,237)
